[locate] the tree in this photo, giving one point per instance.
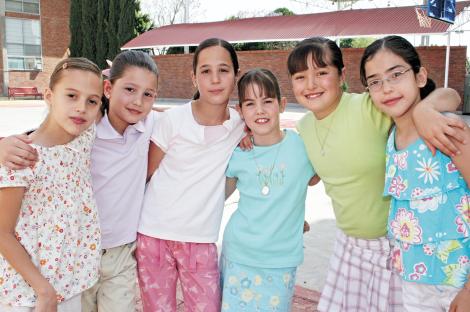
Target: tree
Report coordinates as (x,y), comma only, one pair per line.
(101,37)
(75,28)
(169,12)
(100,27)
(143,21)
(88,26)
(283,12)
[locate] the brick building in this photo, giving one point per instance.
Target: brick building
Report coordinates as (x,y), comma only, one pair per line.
(34,36)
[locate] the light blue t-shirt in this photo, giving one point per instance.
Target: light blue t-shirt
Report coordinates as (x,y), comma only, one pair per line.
(429,215)
(267,229)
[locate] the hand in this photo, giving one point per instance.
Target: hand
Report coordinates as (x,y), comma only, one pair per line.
(435,129)
(16,153)
(246,144)
(306,227)
(47,300)
(461,302)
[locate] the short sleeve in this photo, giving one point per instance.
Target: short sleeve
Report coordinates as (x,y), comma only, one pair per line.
(380,120)
(15,178)
(163,131)
(230,172)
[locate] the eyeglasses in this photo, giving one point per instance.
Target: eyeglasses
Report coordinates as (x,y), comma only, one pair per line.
(394,78)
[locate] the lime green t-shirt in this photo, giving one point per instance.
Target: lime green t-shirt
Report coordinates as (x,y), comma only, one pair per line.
(352,165)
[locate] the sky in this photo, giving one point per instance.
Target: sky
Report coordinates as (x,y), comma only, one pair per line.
(215,10)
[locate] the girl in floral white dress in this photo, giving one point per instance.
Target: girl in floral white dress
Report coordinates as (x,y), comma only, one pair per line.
(430,212)
(49,229)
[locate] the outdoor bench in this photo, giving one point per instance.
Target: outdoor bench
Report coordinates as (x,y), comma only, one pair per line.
(23,92)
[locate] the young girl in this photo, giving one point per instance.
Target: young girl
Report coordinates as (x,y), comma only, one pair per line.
(345,136)
(119,169)
(49,229)
(430,206)
(185,198)
(263,243)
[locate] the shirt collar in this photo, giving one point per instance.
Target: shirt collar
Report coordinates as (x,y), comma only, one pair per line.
(104,129)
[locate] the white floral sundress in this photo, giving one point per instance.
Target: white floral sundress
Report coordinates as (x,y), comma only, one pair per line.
(58,222)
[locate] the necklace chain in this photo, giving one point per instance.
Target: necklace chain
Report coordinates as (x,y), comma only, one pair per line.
(322,143)
(264,183)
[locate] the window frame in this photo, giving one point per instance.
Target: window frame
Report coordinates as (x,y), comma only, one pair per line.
(37,60)
(22,7)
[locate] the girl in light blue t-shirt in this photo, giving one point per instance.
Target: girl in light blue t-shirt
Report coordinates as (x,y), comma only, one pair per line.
(263,243)
(430,209)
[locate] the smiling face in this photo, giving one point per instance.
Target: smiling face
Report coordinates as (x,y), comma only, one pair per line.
(318,89)
(400,86)
(261,114)
(131,97)
(74,102)
(214,75)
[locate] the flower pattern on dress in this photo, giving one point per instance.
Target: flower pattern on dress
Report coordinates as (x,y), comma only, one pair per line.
(397,186)
(451,167)
(405,227)
(429,170)
(57,224)
(400,160)
(428,203)
(428,220)
(464,208)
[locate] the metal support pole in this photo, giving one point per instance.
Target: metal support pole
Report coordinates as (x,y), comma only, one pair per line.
(186,20)
(446,75)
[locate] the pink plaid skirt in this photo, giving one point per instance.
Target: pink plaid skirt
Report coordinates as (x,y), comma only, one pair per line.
(359,277)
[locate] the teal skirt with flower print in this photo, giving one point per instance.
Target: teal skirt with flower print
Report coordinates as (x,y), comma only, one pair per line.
(247,288)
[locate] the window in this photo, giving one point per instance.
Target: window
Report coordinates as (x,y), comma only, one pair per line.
(23,44)
(23,6)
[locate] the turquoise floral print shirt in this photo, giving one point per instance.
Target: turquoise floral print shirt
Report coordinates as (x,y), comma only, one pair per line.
(429,215)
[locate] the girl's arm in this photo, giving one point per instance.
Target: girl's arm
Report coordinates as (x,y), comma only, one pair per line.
(16,153)
(433,127)
(155,157)
(461,302)
(314,180)
(230,186)
(462,160)
(16,255)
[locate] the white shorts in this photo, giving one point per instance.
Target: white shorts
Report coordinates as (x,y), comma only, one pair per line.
(425,297)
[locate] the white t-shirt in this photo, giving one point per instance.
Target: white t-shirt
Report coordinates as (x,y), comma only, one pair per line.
(119,170)
(184,199)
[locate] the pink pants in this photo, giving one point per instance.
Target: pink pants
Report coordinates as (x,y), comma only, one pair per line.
(160,263)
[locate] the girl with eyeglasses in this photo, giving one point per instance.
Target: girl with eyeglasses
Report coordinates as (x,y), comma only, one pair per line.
(429,219)
(345,137)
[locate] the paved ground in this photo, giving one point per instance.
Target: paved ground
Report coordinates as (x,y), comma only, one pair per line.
(18,115)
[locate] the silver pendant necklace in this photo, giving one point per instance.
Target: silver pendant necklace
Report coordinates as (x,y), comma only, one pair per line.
(265,175)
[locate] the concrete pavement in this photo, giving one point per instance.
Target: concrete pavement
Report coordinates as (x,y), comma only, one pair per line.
(17,116)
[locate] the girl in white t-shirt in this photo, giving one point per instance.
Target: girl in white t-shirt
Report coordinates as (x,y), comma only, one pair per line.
(184,199)
(49,228)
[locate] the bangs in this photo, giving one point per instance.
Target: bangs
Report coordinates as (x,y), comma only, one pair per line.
(298,58)
(267,85)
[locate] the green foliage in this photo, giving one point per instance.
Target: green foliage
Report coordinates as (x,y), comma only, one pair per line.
(75,28)
(346,43)
(101,37)
(88,25)
(361,42)
(143,22)
(100,27)
(283,12)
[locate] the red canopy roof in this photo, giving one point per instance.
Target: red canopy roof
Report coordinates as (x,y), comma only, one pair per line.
(349,23)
